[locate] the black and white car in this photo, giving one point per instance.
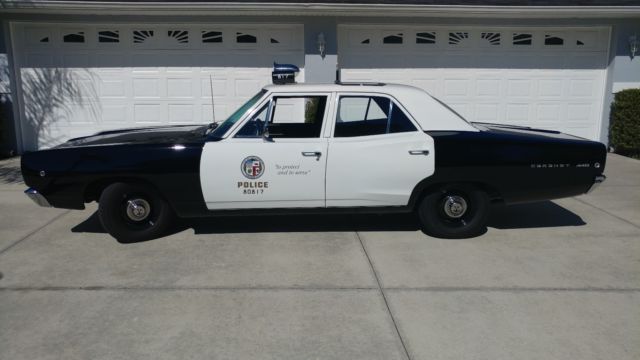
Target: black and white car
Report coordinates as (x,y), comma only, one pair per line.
(315,148)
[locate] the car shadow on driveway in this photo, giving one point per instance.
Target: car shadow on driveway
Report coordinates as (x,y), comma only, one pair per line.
(535,215)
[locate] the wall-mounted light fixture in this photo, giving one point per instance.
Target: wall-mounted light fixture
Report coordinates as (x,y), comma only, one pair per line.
(322,45)
(633,45)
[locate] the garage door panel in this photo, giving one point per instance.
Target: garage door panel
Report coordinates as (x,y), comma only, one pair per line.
(246,87)
(114,88)
(114,115)
(580,113)
(141,75)
(546,77)
(550,88)
(147,88)
(218,85)
(181,113)
(519,88)
(488,87)
(517,113)
(178,87)
(148,113)
(582,88)
(487,112)
(456,87)
(548,113)
(222,112)
(79,113)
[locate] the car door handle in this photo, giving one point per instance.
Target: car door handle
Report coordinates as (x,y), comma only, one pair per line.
(419,152)
(311,153)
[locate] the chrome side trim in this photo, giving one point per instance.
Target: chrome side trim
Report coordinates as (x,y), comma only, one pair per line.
(596,182)
(37,198)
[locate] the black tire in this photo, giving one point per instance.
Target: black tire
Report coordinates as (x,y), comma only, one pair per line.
(150,218)
(442,214)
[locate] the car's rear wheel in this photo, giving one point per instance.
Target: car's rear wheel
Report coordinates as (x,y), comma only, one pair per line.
(454,212)
(133,212)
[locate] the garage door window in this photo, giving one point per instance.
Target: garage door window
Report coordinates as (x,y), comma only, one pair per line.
(74,37)
(370,115)
(109,36)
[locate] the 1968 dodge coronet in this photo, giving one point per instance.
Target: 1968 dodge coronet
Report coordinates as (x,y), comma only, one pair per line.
(315,148)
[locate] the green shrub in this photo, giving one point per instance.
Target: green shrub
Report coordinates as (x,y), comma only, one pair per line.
(624,131)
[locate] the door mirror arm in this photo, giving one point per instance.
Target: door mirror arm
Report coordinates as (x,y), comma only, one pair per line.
(265,130)
(265,135)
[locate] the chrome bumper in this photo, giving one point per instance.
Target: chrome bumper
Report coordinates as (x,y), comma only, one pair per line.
(37,198)
(596,182)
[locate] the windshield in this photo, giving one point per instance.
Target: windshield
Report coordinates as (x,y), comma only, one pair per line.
(219,131)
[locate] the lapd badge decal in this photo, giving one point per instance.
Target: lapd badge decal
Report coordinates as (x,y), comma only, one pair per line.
(252,167)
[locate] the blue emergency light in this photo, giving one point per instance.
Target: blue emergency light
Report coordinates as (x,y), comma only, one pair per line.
(284,73)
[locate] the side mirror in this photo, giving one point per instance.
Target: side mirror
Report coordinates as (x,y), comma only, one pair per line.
(265,135)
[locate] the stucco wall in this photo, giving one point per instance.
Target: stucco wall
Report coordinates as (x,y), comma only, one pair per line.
(626,70)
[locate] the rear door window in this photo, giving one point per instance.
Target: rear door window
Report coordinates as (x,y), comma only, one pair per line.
(370,115)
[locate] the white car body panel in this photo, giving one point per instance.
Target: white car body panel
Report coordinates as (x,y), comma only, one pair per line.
(292,179)
(377,170)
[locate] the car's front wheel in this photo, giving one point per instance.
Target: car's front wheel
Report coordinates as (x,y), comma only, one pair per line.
(454,212)
(134,212)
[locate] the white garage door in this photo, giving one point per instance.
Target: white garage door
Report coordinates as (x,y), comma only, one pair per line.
(79,79)
(550,78)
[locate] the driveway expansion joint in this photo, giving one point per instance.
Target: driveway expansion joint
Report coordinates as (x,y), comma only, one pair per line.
(607,212)
(2,251)
(384,297)
(511,289)
(183,288)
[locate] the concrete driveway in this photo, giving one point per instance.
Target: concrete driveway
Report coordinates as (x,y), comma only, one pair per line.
(555,280)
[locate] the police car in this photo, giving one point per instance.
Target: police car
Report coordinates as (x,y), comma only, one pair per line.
(315,148)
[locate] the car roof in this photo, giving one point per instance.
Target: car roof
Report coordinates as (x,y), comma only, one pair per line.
(429,112)
(344,86)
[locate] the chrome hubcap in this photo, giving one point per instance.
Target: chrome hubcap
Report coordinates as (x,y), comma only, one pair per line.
(455,206)
(138,209)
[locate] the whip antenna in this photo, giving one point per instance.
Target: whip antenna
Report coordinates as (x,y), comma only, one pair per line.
(213,112)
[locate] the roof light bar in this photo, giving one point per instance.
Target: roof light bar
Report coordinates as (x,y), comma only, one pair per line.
(284,73)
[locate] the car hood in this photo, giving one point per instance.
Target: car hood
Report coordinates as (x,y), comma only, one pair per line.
(146,135)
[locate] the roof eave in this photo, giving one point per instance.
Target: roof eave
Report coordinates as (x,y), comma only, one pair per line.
(318,9)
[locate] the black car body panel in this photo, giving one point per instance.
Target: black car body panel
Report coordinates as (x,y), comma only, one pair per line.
(76,171)
(517,164)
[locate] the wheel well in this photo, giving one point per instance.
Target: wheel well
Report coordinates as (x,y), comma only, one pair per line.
(93,191)
(425,188)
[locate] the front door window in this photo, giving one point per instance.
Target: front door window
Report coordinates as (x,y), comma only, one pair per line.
(289,117)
